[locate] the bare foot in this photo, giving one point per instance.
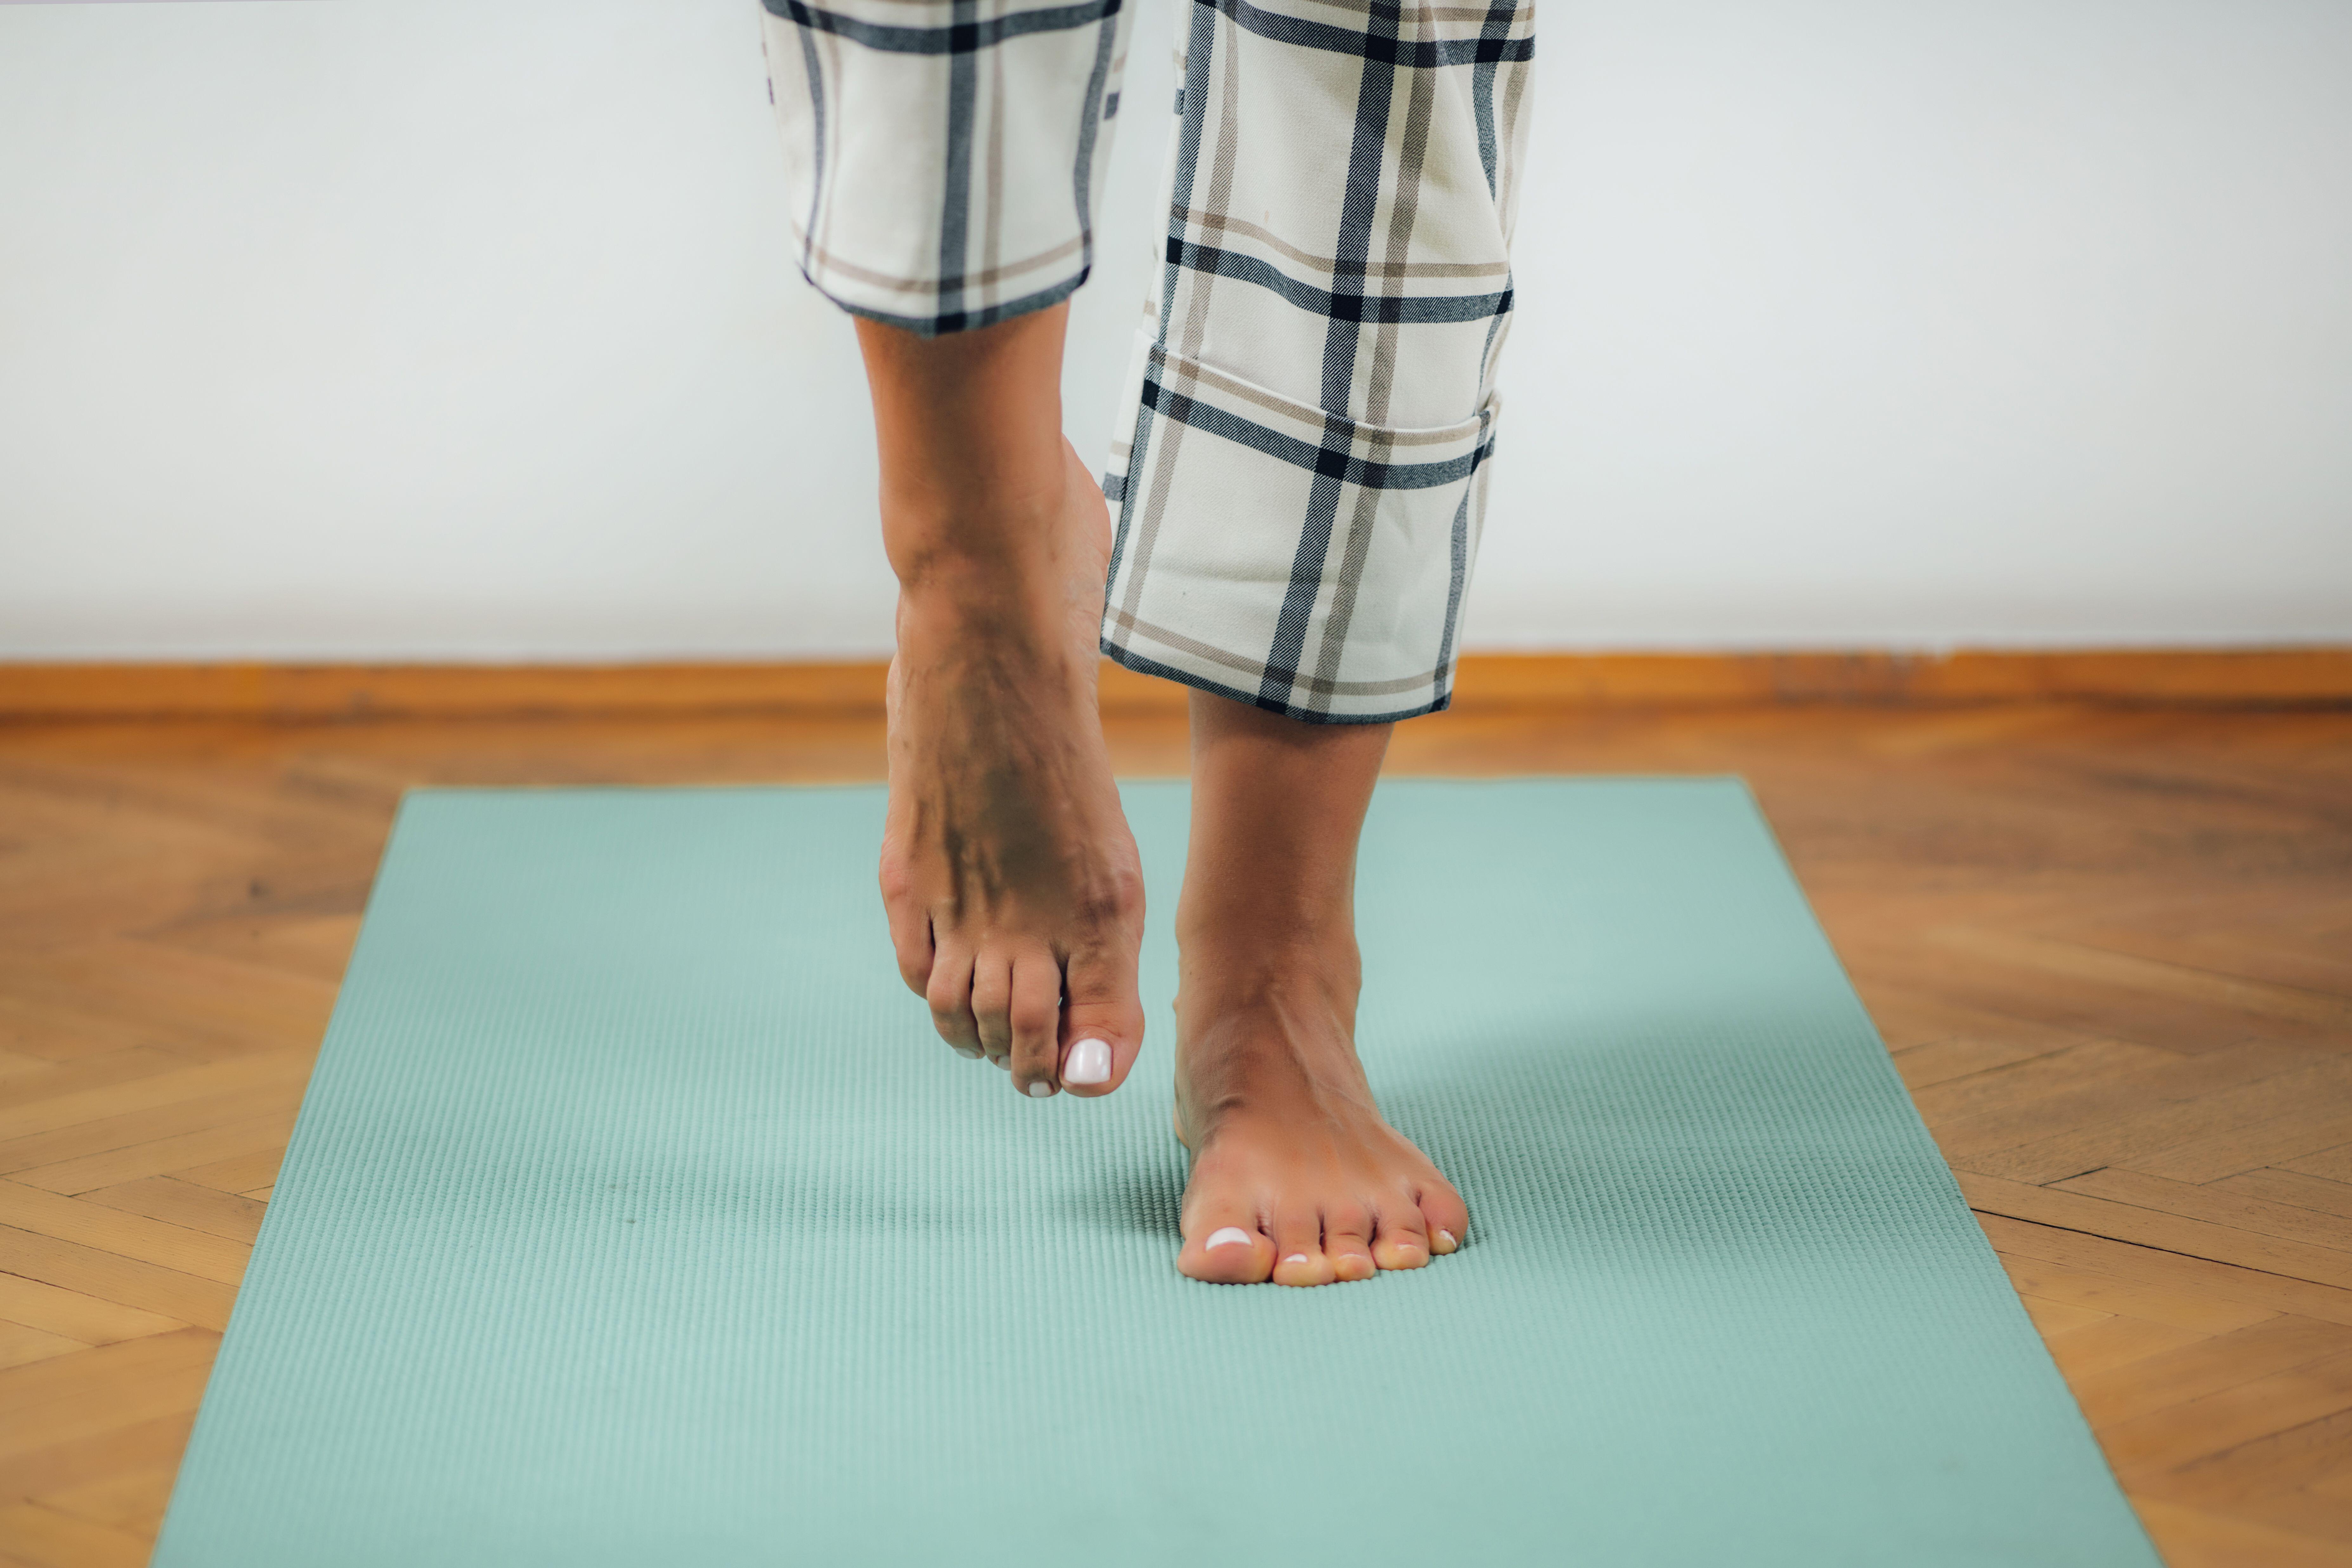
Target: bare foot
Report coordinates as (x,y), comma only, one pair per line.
(1014,895)
(1295,1176)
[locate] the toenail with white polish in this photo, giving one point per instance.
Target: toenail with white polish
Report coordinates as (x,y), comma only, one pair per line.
(1446,1237)
(1003,1062)
(1041,1090)
(968,1053)
(1230,1235)
(1089,1063)
(1296,1258)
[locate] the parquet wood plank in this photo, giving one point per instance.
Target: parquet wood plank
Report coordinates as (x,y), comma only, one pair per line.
(2293,1189)
(2198,1538)
(29,1110)
(2153,1227)
(2219,1421)
(128,1444)
(1936,1061)
(2310,1512)
(207,1002)
(38,1078)
(65,1035)
(2048,1000)
(2118,1342)
(2150,1112)
(1909,1020)
(2109,1293)
(162,1156)
(2237,1210)
(2265,1471)
(20,1344)
(137,1128)
(2332,1165)
(173,1246)
(2073,962)
(2055,1318)
(34,1533)
(2273,930)
(110,1277)
(2153,1266)
(315,946)
(76,1314)
(62,907)
(2303,1130)
(252,1175)
(2221,1362)
(131,1499)
(180,1203)
(1998,1091)
(91,1392)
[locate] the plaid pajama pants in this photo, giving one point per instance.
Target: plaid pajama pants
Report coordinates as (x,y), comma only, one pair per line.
(1311,396)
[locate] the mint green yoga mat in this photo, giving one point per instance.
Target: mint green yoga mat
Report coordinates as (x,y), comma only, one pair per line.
(635,1216)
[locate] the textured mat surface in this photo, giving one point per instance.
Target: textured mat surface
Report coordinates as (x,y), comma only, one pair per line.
(634,1216)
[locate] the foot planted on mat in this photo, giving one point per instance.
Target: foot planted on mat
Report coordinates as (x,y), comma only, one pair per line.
(1295,1176)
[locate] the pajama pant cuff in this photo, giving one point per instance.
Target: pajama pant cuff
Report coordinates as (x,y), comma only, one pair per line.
(1293,560)
(945,163)
(935,325)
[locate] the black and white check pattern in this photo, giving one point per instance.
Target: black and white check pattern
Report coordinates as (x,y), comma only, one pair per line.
(1312,388)
(944,154)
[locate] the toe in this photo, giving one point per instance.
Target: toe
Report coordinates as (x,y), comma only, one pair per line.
(1447,1217)
(1102,1027)
(1298,1250)
(1402,1239)
(1348,1243)
(1034,1016)
(1227,1249)
(992,1002)
(910,923)
(948,991)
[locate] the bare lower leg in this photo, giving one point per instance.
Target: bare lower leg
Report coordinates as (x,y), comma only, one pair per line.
(969,430)
(1010,880)
(1290,1154)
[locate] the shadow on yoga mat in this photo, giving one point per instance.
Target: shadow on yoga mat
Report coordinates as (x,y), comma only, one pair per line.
(635,1216)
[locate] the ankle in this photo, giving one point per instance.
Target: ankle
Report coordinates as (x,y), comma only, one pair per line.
(961,595)
(1253,1039)
(1280,929)
(1223,960)
(982,552)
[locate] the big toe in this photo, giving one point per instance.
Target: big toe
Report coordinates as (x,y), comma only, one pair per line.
(1102,1024)
(1227,1249)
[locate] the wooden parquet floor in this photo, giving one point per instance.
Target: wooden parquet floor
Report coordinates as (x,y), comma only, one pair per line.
(2111,952)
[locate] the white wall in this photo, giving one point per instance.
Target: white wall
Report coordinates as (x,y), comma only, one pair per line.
(430,328)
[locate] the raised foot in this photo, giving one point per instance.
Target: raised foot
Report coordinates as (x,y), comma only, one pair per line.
(1014,892)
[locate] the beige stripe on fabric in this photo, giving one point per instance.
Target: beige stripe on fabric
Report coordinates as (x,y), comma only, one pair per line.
(1214,223)
(1354,11)
(1192,373)
(833,264)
